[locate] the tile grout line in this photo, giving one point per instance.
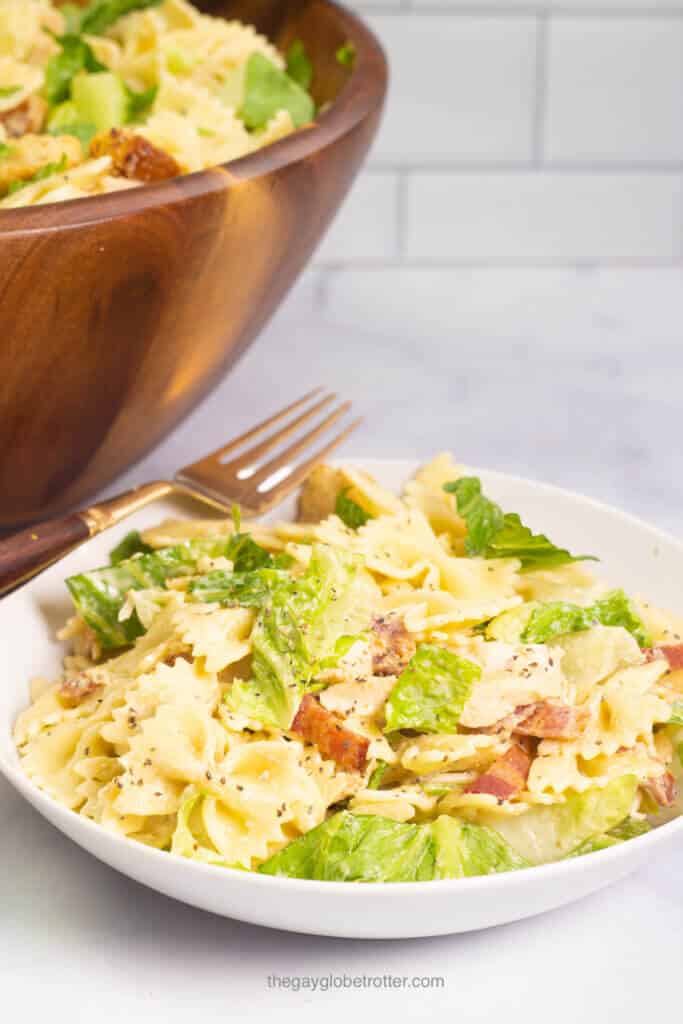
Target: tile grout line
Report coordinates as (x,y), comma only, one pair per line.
(333,268)
(495,10)
(452,168)
(541,90)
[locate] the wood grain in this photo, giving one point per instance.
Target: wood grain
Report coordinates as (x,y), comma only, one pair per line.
(119,313)
(37,545)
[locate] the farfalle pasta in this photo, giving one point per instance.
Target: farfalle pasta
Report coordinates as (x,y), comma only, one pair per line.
(392,688)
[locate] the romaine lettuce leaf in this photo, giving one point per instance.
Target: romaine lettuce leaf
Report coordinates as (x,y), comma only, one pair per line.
(464,850)
(557,618)
(75,56)
(346,54)
(431,692)
(189,838)
(100,594)
(298,630)
(132,544)
(99,15)
(492,533)
(628,829)
(378,773)
(246,589)
(549,832)
(358,848)
(350,512)
(676,713)
(369,848)
(267,90)
(298,64)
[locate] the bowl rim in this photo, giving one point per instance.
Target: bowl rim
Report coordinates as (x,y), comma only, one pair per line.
(361,95)
(67,820)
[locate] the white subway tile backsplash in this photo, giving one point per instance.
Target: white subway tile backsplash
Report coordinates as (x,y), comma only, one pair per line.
(462,88)
(541,218)
(614,90)
(365,229)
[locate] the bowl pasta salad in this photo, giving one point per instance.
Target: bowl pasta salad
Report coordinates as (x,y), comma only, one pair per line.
(117,93)
(388,689)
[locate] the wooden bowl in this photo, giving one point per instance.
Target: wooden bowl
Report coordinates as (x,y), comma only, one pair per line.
(118,313)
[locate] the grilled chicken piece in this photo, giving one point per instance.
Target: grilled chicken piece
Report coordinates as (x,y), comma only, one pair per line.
(134,156)
(327,731)
(392,646)
(27,117)
(662,788)
(74,691)
(506,777)
(318,495)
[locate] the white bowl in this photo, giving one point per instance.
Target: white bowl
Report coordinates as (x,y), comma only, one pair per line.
(634,555)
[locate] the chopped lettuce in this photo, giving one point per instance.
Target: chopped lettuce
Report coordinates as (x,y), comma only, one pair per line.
(140,103)
(492,533)
(464,850)
(132,544)
(350,512)
(99,15)
(432,691)
(549,832)
(369,848)
(72,14)
(9,90)
(99,595)
(75,56)
(189,838)
(346,54)
(358,848)
(244,589)
(556,618)
(378,773)
(628,829)
(268,90)
(299,67)
(298,630)
(676,713)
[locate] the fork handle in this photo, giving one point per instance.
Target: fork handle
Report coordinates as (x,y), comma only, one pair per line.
(25,553)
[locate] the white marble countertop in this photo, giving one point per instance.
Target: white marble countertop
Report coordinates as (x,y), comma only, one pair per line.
(573,377)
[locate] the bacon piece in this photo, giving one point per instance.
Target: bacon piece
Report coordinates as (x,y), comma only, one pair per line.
(392,646)
(546,721)
(134,156)
(672,652)
(662,788)
(28,116)
(326,729)
(74,691)
(506,776)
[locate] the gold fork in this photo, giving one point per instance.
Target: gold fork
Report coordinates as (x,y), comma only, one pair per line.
(248,479)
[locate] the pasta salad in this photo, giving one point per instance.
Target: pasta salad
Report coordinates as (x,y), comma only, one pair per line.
(119,93)
(389,689)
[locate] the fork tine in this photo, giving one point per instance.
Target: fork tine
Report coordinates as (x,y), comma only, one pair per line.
(283,459)
(252,455)
(261,501)
(255,431)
